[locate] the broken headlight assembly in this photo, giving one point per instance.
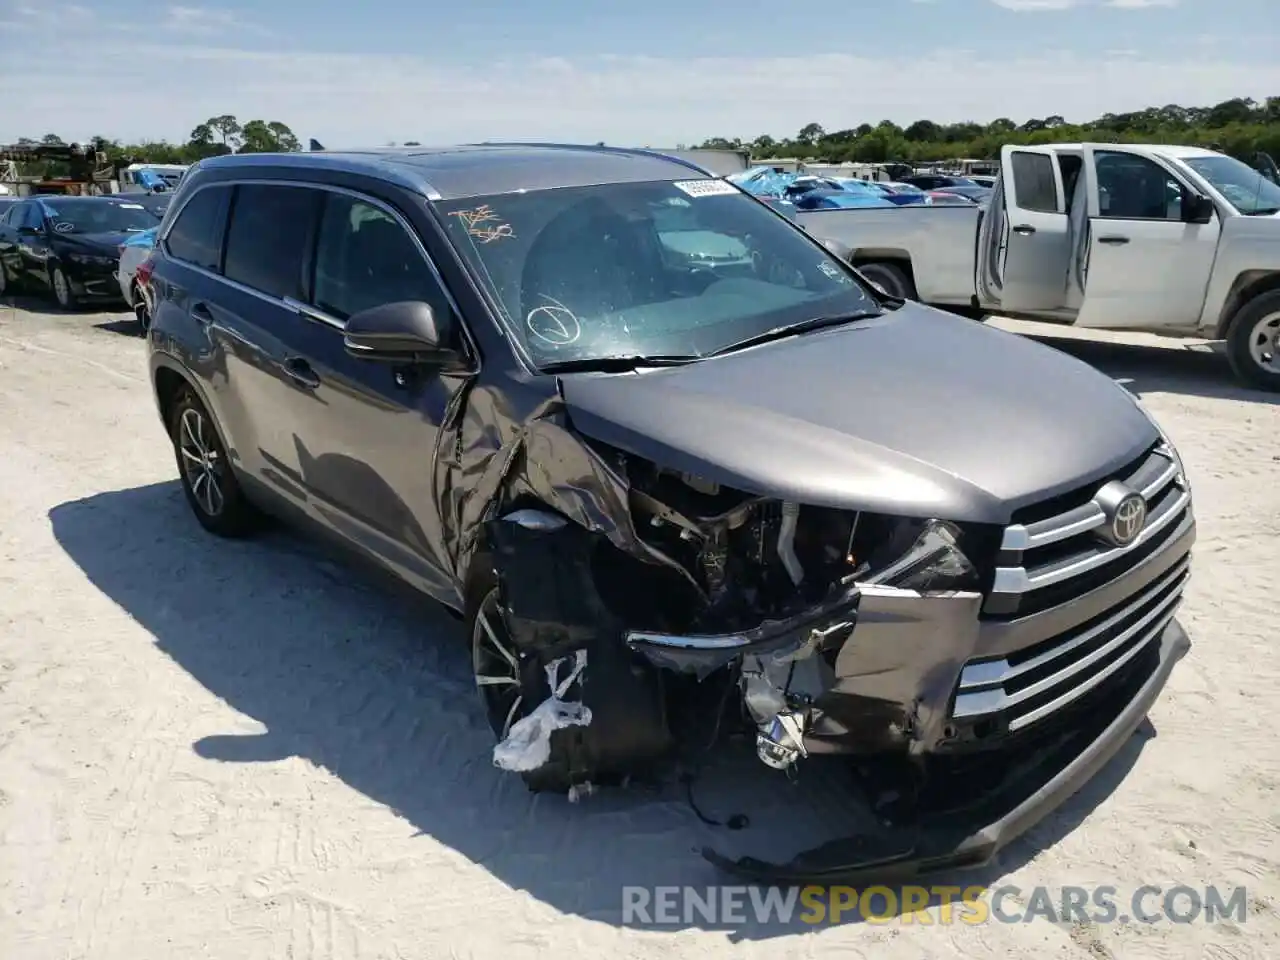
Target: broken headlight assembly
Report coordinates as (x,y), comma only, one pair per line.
(924,556)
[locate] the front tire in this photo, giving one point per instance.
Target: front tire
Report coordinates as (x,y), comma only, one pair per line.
(509,684)
(892,278)
(1253,342)
(205,471)
(61,287)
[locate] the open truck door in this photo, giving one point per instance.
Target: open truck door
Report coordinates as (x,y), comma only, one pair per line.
(1023,244)
(1146,253)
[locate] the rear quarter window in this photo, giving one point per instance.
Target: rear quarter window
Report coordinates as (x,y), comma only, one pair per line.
(196,235)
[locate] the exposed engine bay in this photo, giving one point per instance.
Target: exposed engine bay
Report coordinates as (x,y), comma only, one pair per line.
(743,595)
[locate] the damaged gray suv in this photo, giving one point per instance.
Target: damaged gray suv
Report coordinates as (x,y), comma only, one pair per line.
(683,472)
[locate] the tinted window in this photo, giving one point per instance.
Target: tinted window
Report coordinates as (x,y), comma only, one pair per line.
(1135,188)
(364,258)
(196,236)
(267,238)
(1033,184)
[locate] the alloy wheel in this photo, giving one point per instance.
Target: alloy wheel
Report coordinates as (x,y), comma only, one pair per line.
(496,666)
(61,288)
(202,462)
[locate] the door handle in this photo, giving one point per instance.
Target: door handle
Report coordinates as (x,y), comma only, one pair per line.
(1025,229)
(300,372)
(1113,240)
(200,313)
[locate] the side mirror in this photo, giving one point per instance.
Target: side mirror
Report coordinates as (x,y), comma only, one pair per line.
(1196,208)
(404,332)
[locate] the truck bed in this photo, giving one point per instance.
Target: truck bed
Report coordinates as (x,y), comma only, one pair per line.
(940,243)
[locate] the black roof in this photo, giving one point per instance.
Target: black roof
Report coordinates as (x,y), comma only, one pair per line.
(447,173)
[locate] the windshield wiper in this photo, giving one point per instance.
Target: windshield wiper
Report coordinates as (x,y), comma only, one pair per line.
(793,329)
(1264,211)
(616,364)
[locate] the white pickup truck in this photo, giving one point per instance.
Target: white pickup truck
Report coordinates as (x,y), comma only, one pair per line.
(1178,241)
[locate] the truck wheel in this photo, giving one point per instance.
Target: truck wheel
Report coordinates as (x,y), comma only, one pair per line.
(1253,342)
(890,277)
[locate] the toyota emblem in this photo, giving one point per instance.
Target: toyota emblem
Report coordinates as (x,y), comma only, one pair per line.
(1128,520)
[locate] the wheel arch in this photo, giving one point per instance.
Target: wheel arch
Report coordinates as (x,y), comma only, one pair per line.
(1247,286)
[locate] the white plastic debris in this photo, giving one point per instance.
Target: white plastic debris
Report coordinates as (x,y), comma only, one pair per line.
(527,745)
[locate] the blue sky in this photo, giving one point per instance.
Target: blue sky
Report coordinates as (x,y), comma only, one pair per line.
(655,72)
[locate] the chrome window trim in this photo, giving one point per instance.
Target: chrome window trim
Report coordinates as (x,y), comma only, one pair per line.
(309,311)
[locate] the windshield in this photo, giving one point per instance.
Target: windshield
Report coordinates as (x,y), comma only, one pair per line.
(97,216)
(654,269)
(1244,187)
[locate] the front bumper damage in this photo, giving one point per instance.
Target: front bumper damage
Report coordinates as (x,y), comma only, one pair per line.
(973,839)
(868,671)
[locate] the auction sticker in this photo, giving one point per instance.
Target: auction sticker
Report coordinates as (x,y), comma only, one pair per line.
(705,188)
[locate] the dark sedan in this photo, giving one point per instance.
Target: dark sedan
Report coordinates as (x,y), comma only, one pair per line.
(68,246)
(938,181)
(974,194)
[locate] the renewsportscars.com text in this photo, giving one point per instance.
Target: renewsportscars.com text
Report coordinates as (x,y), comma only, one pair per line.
(925,905)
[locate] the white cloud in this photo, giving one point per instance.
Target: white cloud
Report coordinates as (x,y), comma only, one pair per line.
(1037,4)
(1032,5)
(150,86)
(199,20)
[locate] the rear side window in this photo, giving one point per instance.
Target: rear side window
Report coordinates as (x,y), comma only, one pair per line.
(365,258)
(196,236)
(267,238)
(1033,186)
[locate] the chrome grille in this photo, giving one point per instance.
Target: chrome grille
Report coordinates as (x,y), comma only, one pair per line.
(1025,687)
(1046,562)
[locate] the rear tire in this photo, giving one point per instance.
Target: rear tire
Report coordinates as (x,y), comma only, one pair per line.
(1253,342)
(893,278)
(208,481)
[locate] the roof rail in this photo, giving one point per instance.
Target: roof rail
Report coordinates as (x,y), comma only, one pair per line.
(624,151)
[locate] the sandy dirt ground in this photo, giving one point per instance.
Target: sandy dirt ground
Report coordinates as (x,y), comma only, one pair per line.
(253,750)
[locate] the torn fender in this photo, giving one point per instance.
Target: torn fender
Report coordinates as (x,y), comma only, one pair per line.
(501,446)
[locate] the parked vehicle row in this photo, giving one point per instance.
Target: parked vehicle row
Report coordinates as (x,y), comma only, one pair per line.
(1178,241)
(683,473)
(73,248)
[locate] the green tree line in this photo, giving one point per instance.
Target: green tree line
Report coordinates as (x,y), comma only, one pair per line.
(1242,127)
(217,135)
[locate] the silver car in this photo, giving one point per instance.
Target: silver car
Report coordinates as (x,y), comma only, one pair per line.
(133,252)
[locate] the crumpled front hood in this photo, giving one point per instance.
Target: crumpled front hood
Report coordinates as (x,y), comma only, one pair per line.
(917,413)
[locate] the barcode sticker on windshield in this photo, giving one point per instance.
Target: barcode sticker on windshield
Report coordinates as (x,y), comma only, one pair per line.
(704,188)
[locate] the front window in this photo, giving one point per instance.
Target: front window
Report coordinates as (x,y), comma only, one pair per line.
(97,216)
(654,269)
(1243,187)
